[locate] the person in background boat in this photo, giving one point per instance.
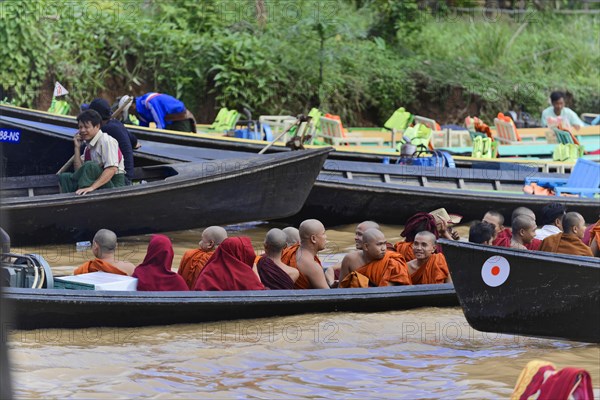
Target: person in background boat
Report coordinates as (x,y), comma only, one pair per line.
(428,267)
(154,273)
(373,265)
(482,233)
(504,238)
(117,130)
(552,216)
(165,111)
(292,236)
(273,273)
(194,260)
(558,114)
(124,102)
(100,166)
(569,241)
(104,246)
(496,219)
(304,256)
(523,232)
(541,380)
(230,267)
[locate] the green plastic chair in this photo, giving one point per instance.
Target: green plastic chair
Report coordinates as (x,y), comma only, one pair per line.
(563,137)
(398,123)
(484,148)
(219,119)
(60,107)
(418,135)
(568,152)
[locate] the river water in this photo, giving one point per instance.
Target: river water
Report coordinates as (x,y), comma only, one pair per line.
(421,353)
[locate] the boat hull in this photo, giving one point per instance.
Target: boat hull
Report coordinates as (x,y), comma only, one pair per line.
(544,295)
(50,308)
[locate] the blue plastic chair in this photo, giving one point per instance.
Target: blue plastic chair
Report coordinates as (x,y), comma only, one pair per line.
(584,180)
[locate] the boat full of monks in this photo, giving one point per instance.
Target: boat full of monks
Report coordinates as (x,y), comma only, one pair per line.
(345,191)
(376,154)
(526,293)
(167,197)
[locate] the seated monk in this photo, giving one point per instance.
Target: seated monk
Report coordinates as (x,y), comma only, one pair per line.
(428,266)
(595,239)
(588,235)
(104,245)
(417,223)
(273,273)
(194,260)
(482,233)
(496,219)
(373,265)
(569,241)
(304,256)
(230,267)
(504,236)
(154,273)
(292,236)
(332,274)
(523,232)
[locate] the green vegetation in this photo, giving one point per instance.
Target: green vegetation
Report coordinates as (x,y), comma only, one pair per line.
(358,59)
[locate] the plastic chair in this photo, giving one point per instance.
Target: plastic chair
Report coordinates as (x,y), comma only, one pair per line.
(398,122)
(418,135)
(584,180)
(506,132)
(221,115)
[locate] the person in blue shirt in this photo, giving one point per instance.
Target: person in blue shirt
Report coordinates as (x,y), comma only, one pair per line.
(558,113)
(165,111)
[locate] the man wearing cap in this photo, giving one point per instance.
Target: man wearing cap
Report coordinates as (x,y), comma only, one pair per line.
(552,216)
(101,164)
(165,111)
(117,130)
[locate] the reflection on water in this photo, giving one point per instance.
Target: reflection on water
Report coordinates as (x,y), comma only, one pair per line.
(422,353)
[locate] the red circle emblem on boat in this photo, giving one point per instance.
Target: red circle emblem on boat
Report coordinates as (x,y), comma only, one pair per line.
(495,271)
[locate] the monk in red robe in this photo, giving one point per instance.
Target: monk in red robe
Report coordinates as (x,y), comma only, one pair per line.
(304,256)
(231,267)
(523,232)
(595,239)
(421,221)
(428,267)
(273,273)
(104,245)
(194,260)
(154,273)
(504,235)
(569,241)
(374,265)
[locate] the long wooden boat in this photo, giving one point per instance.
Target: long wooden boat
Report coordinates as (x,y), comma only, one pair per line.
(23,117)
(526,293)
(350,191)
(54,308)
(175,197)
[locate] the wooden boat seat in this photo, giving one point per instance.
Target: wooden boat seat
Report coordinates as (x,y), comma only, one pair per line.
(28,186)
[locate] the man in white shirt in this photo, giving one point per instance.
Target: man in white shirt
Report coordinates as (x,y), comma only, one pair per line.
(101,165)
(552,216)
(557,113)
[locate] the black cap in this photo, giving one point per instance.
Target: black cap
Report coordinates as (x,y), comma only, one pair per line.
(102,107)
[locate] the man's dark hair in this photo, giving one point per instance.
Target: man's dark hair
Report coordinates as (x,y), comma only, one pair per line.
(551,212)
(555,96)
(481,232)
(90,116)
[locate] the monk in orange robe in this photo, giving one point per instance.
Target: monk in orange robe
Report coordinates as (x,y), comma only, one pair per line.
(595,239)
(193,261)
(373,265)
(304,257)
(104,245)
(570,240)
(405,249)
(428,267)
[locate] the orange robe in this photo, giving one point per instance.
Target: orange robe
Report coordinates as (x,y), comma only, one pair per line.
(405,248)
(566,243)
(289,258)
(596,234)
(192,263)
(391,268)
(97,265)
(435,270)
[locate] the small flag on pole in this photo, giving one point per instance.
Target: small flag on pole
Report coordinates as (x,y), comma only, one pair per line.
(59,90)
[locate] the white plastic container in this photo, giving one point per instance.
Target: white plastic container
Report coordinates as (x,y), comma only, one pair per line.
(96,281)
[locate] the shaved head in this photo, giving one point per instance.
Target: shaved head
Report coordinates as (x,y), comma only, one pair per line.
(292,235)
(522,222)
(310,227)
(572,220)
(374,244)
(361,229)
(522,211)
(275,241)
(426,235)
(494,214)
(373,235)
(106,241)
(216,234)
